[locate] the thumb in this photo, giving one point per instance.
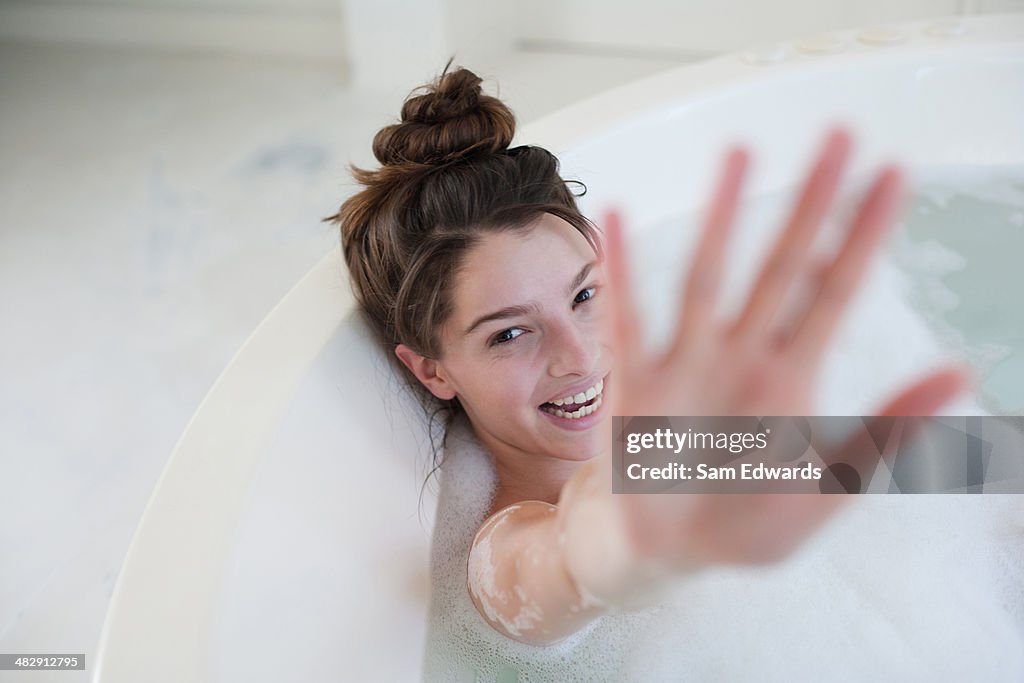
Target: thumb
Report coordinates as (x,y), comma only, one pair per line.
(862,451)
(927,395)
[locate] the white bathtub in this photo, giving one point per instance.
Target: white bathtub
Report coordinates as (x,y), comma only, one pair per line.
(283,540)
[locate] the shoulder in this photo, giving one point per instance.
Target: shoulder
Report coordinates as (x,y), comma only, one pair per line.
(514,572)
(512,521)
(508,536)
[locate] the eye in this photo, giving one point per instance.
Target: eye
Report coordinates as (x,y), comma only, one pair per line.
(589,291)
(504,337)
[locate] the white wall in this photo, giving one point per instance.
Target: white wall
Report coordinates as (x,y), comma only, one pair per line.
(701,26)
(237,5)
(407,41)
(389,42)
(305,29)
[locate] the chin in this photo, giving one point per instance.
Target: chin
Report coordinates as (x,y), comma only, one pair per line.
(590,444)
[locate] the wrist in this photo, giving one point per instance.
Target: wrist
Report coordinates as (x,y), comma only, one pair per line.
(598,550)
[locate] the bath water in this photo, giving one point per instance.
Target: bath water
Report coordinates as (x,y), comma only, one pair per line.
(962,248)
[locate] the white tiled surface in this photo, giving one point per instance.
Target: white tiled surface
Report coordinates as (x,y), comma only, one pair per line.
(153,208)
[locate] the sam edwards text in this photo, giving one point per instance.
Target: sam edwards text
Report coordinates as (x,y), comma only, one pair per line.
(745,471)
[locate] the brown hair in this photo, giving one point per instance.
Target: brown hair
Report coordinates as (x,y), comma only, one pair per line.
(448,178)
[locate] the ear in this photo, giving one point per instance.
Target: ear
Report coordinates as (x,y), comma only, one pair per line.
(426,371)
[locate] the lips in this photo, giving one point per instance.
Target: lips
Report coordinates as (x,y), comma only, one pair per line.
(570,407)
(577,419)
(572,391)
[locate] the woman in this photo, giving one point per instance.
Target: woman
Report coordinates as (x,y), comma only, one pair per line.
(473,265)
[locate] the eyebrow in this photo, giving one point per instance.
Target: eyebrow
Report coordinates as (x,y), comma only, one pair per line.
(513,311)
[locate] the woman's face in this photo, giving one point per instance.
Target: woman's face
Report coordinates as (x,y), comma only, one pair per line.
(526,331)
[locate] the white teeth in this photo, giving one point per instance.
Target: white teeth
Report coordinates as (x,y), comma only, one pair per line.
(583,395)
(576,414)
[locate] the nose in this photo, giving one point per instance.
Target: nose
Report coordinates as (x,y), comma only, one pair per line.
(575,350)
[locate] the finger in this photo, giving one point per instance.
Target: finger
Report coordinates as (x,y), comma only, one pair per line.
(789,253)
(792,517)
(623,319)
(926,396)
(864,449)
(704,277)
(811,335)
(851,466)
(798,302)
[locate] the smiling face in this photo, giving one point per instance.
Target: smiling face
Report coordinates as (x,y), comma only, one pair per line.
(525,330)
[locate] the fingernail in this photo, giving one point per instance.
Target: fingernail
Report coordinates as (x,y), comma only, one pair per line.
(840,138)
(969,378)
(836,149)
(840,134)
(892,181)
(738,155)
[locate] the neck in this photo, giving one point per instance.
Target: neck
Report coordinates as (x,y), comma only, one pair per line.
(531,478)
(526,476)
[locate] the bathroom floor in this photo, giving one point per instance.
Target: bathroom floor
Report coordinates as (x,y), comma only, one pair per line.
(153,208)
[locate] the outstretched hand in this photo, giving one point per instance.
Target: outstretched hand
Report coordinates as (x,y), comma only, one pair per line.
(757,364)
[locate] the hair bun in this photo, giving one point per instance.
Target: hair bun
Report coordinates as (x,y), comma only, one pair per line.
(452,120)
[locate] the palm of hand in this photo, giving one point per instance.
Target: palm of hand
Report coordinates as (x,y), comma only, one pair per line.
(755,365)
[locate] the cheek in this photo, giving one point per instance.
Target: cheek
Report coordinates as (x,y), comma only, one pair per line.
(519,390)
(599,327)
(497,386)
(513,388)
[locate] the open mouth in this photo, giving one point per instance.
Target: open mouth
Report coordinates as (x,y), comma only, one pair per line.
(576,409)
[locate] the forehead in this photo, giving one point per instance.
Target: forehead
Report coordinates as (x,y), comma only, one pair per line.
(516,267)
